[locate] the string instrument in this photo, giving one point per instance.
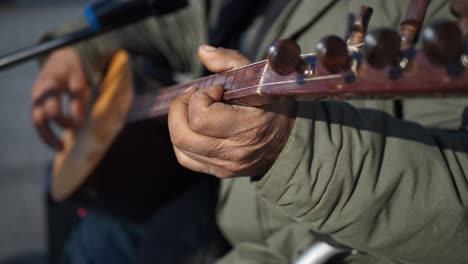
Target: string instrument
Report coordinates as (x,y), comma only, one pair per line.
(379,64)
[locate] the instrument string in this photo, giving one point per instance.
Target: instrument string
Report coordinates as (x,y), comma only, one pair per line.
(146,101)
(157,103)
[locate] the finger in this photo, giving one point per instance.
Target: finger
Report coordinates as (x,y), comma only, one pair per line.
(41,124)
(220,60)
(189,161)
(182,135)
(53,109)
(45,88)
(79,92)
(207,116)
(77,108)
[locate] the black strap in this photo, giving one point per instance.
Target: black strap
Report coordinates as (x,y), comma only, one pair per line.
(233,18)
(313,21)
(398,109)
(464,125)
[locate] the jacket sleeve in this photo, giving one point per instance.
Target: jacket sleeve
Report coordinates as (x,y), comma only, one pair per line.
(283,246)
(170,40)
(375,183)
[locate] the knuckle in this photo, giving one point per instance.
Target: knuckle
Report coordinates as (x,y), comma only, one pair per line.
(79,87)
(52,106)
(196,99)
(76,105)
(258,135)
(44,90)
(172,105)
(224,153)
(210,171)
(175,104)
(230,169)
(54,115)
(221,175)
(177,138)
(197,123)
(240,59)
(182,159)
(242,154)
(53,110)
(236,53)
(40,86)
(247,158)
(38,117)
(199,120)
(45,82)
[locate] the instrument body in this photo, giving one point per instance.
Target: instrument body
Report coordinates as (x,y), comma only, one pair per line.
(85,147)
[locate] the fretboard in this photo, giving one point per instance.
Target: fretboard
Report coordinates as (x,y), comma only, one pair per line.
(238,83)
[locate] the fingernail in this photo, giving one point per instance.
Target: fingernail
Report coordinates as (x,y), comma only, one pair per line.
(208,47)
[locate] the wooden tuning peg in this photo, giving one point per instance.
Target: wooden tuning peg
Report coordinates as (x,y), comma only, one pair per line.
(284,56)
(332,53)
(442,43)
(412,23)
(359,28)
(382,48)
(460,9)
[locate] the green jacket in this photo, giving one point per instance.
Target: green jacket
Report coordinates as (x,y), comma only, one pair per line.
(395,190)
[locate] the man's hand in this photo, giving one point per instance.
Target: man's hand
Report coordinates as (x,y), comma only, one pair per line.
(61,74)
(227,140)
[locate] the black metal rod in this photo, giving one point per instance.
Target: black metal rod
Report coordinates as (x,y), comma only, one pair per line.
(22,55)
(102,16)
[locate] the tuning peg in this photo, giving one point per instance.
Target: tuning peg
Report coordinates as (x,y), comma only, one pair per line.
(359,28)
(382,48)
(460,9)
(332,53)
(442,43)
(412,23)
(284,56)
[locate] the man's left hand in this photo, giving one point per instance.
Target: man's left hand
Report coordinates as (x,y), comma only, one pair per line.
(227,140)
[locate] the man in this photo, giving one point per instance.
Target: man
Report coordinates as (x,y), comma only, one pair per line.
(382,185)
(259,232)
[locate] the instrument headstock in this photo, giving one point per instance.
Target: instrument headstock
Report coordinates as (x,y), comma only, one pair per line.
(384,57)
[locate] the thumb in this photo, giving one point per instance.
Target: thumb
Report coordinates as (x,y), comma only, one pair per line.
(221,60)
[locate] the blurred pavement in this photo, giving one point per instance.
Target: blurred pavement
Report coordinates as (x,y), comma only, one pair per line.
(23,157)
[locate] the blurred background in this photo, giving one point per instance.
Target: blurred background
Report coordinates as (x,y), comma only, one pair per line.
(23,158)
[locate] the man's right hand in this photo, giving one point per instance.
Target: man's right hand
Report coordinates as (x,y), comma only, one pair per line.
(62,74)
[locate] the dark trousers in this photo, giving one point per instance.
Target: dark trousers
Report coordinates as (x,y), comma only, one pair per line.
(183,231)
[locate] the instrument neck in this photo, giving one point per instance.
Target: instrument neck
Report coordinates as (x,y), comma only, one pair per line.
(238,83)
